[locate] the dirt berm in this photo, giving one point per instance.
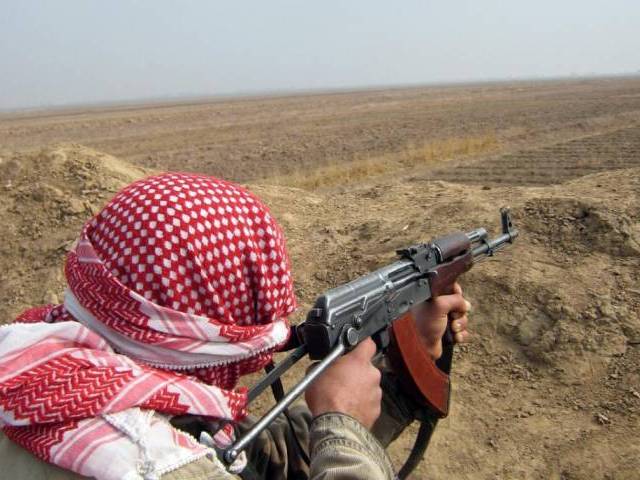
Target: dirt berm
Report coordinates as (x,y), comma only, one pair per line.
(550,387)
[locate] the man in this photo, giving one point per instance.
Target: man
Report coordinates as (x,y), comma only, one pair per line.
(178,287)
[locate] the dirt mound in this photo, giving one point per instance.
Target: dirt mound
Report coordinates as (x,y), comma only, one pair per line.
(575,226)
(45,197)
(554,367)
(549,389)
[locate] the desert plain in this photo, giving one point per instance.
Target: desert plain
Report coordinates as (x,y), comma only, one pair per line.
(549,388)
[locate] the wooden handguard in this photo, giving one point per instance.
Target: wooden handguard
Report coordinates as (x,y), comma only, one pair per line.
(427,380)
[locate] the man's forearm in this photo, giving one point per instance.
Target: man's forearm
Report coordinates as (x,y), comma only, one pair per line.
(274,453)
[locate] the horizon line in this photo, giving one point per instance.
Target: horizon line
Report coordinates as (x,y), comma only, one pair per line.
(195,98)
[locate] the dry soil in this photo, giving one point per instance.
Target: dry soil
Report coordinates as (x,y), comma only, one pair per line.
(550,386)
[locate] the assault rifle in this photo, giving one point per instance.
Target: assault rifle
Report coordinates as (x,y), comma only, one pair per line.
(368,306)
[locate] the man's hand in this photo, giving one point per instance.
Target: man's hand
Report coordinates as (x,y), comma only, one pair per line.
(433,317)
(351,386)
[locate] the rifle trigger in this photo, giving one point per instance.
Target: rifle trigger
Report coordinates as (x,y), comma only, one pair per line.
(382,339)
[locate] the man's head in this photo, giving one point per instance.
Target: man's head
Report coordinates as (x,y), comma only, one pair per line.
(186,262)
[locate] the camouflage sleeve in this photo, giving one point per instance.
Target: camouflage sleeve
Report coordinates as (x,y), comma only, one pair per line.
(279,455)
(275,454)
(343,449)
(339,446)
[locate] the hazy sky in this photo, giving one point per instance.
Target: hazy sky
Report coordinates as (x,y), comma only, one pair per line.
(60,52)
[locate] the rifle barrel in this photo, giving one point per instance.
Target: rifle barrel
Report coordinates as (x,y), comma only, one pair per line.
(489,247)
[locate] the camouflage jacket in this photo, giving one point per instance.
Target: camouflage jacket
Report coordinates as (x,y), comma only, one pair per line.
(339,448)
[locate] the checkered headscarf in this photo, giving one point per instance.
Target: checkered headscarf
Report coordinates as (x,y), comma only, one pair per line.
(197,259)
(187,279)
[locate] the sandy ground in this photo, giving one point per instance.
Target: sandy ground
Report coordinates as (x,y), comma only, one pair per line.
(550,387)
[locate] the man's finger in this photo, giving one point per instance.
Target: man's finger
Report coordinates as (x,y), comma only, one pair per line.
(365,349)
(460,323)
(451,303)
(462,337)
(457,289)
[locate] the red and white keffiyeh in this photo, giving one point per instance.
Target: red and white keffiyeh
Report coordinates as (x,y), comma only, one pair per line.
(179,286)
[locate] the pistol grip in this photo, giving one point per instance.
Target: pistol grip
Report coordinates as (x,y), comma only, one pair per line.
(448,337)
(382,339)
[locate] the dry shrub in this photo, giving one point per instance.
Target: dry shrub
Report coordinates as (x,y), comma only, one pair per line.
(448,148)
(340,173)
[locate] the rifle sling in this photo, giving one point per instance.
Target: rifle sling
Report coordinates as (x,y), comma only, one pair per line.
(419,447)
(278,394)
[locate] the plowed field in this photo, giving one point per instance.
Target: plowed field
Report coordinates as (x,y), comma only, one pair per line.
(555,163)
(550,387)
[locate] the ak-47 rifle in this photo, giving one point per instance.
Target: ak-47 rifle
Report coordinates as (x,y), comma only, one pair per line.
(370,305)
